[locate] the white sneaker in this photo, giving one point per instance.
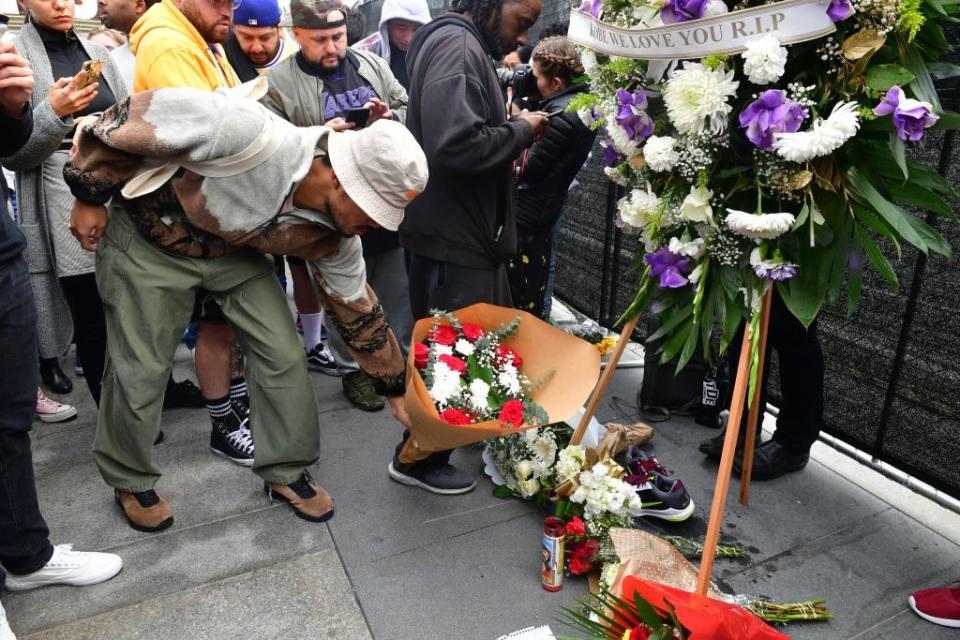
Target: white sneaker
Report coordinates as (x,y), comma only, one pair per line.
(6,633)
(66,566)
(52,411)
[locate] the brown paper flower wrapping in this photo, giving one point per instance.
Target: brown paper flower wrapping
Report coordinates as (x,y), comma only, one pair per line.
(620,436)
(575,362)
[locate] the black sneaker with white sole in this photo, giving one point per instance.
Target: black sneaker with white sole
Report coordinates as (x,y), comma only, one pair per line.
(661,497)
(235,444)
(445,480)
(320,358)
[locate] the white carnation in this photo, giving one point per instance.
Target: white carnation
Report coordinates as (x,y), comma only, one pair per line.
(446,384)
(696,206)
(823,138)
(636,209)
(660,153)
(465,347)
(764,59)
(696,98)
(693,249)
(766,226)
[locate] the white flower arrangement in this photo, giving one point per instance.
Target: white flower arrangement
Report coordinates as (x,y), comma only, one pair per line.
(766,226)
(697,98)
(696,206)
(602,494)
(527,461)
(570,462)
(661,153)
(823,138)
(764,60)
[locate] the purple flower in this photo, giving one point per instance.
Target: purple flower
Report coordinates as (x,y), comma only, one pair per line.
(910,116)
(839,10)
(682,10)
(631,115)
(592,7)
(777,272)
(611,157)
(769,114)
(669,266)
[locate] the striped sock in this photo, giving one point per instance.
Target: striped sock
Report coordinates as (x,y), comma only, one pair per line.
(238,389)
(219,408)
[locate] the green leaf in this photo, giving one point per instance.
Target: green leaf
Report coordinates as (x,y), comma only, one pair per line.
(879,260)
(502,491)
(948,120)
(671,321)
(931,236)
(883,76)
(899,150)
(859,186)
(673,344)
(645,611)
(878,225)
(912,193)
(943,70)
(922,86)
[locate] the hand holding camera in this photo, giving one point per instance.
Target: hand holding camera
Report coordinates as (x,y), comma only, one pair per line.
(538,121)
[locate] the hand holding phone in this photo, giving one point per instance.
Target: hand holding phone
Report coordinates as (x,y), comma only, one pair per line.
(16,80)
(358,117)
(89,73)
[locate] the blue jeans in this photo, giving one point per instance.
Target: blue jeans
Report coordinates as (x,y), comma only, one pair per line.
(24,537)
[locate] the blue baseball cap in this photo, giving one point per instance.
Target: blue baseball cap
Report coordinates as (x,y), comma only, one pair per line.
(256,13)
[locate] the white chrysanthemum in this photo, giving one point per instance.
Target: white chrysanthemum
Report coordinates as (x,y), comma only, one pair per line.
(509,379)
(693,249)
(586,117)
(620,138)
(696,98)
(446,383)
(479,391)
(528,488)
(636,209)
(661,153)
(465,347)
(764,59)
(523,470)
(545,449)
(823,138)
(766,226)
(696,206)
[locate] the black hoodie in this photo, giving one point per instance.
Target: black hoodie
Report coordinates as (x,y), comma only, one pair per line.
(457,114)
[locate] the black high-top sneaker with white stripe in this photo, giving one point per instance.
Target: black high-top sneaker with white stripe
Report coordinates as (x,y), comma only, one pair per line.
(230,436)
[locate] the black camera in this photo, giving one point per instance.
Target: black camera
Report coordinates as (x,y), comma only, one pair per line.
(520,79)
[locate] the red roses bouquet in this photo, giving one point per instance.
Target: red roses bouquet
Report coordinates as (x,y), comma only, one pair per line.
(485,371)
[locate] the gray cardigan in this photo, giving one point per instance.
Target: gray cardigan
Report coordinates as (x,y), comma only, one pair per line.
(55,325)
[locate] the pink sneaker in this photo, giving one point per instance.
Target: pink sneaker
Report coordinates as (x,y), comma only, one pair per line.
(939,606)
(52,411)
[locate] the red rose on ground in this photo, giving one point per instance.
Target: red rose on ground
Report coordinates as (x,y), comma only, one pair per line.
(575,527)
(454,416)
(421,353)
(443,334)
(641,632)
(472,332)
(455,364)
(578,566)
(589,548)
(506,354)
(511,414)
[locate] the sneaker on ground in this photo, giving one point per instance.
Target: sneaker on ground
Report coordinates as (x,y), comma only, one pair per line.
(320,358)
(308,501)
(52,411)
(182,395)
(640,462)
(66,566)
(236,444)
(6,633)
(661,497)
(358,387)
(939,606)
(446,480)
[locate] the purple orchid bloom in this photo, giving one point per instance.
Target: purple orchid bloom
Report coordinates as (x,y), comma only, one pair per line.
(769,114)
(669,267)
(631,115)
(775,272)
(839,10)
(611,157)
(910,116)
(683,10)
(592,7)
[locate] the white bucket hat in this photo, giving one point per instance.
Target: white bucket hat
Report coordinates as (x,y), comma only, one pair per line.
(381,167)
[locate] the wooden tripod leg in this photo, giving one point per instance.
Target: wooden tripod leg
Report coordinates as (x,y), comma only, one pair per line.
(604,380)
(750,442)
(726,466)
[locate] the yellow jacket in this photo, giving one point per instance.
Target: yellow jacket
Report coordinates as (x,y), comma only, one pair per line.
(170,52)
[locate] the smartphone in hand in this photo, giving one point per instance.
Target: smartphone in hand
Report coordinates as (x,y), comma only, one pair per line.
(359,117)
(89,73)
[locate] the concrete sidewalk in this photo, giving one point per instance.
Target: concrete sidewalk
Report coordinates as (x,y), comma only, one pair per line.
(396,563)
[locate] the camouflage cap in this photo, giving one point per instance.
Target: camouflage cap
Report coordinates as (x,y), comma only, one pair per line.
(317,14)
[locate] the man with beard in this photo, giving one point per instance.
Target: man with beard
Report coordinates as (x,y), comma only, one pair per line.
(319,86)
(462,230)
(257,43)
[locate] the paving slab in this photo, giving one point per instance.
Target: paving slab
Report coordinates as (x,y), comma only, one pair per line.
(157,565)
(305,598)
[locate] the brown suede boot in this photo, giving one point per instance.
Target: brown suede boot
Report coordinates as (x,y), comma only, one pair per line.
(145,510)
(307,499)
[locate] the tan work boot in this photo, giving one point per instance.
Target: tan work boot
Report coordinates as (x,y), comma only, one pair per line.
(307,499)
(145,510)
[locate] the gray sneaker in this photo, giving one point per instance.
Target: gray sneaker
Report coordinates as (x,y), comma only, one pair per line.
(446,480)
